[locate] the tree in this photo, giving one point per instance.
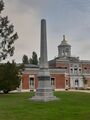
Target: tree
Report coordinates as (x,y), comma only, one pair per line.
(9,79)
(25,59)
(7,35)
(84,81)
(34,59)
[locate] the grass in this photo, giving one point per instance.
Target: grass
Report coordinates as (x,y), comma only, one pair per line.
(70,106)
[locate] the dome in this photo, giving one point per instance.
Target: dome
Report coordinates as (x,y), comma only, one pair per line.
(64,49)
(64,42)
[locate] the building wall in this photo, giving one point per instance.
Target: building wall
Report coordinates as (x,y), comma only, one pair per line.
(25,81)
(59,81)
(88,82)
(76,70)
(60,78)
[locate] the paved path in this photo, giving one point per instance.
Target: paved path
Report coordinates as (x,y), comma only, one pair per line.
(87,91)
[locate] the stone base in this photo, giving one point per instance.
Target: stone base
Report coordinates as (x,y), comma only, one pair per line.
(44,94)
(44,98)
(44,91)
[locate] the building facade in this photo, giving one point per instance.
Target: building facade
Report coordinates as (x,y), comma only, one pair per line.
(67,72)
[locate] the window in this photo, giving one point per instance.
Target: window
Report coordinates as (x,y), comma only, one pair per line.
(75,70)
(67,49)
(75,66)
(65,67)
(85,70)
(31,81)
(71,70)
(66,82)
(53,81)
(79,70)
(76,83)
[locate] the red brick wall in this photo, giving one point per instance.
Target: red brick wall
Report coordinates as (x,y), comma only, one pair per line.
(87,66)
(25,81)
(63,65)
(60,80)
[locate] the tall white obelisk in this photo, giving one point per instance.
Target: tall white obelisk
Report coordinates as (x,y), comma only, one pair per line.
(44,91)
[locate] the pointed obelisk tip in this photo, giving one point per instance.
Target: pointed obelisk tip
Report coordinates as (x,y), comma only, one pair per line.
(43,20)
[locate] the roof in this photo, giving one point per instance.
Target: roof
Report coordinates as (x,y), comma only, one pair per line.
(31,66)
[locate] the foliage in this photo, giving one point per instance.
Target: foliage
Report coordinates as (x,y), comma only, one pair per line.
(34,59)
(21,67)
(84,79)
(25,59)
(9,79)
(7,35)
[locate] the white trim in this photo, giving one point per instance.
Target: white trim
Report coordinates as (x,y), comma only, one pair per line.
(54,82)
(32,76)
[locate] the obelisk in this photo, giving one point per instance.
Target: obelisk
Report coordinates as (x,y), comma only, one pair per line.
(44,91)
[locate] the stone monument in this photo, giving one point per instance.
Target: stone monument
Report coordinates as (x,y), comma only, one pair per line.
(44,91)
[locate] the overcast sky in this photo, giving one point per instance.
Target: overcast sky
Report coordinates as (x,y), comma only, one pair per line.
(69,17)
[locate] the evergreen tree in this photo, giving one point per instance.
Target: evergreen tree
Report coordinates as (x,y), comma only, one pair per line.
(34,59)
(7,35)
(9,79)
(25,59)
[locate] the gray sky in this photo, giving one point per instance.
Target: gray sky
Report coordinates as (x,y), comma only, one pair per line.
(69,17)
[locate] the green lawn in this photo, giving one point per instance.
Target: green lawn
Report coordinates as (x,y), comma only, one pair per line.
(71,106)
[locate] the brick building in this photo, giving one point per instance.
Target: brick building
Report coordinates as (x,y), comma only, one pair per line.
(66,71)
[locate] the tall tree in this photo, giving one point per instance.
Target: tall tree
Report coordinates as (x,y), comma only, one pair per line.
(34,59)
(25,59)
(9,78)
(7,35)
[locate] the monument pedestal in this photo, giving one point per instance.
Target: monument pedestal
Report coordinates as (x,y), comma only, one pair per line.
(44,91)
(44,98)
(44,94)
